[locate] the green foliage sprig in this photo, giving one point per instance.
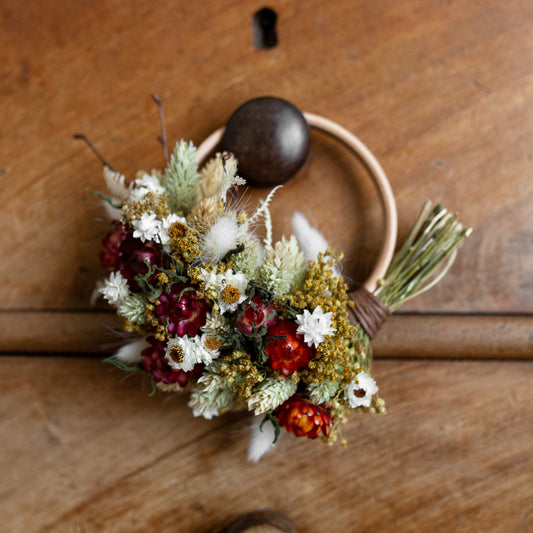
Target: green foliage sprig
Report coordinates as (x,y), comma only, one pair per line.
(123,366)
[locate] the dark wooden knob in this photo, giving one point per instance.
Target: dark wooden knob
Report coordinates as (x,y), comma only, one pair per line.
(270,139)
(264,521)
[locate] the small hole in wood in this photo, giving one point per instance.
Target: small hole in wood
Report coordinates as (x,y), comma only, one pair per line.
(264,25)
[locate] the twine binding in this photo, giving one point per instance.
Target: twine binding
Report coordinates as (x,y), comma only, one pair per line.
(368,310)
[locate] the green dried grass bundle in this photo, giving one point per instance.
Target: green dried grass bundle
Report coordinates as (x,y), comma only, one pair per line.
(426,256)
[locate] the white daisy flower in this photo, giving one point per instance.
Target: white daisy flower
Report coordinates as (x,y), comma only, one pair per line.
(360,394)
(163,236)
(315,326)
(210,278)
(147,228)
(184,352)
(147,184)
(231,290)
(115,288)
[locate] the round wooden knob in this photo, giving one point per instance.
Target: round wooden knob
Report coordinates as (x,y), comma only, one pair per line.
(264,521)
(373,166)
(270,139)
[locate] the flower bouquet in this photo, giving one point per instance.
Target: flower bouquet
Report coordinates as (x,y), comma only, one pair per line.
(239,321)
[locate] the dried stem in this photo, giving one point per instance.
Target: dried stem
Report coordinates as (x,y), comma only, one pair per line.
(93,149)
(163,138)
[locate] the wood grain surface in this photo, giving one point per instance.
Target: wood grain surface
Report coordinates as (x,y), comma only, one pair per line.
(413,336)
(440,91)
(89,451)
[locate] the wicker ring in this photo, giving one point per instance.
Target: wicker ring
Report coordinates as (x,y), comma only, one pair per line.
(374,168)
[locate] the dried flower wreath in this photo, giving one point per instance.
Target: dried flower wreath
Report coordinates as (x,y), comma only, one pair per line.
(250,324)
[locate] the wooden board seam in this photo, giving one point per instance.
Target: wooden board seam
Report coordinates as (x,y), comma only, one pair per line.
(442,336)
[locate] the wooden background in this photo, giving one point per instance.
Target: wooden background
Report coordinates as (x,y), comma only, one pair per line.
(441,91)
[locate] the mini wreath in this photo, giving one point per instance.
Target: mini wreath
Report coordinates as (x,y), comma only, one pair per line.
(244,323)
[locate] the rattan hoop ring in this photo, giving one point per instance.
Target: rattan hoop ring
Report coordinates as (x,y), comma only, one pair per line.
(373,167)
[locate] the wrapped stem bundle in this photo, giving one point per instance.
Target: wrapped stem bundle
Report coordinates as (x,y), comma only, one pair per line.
(426,256)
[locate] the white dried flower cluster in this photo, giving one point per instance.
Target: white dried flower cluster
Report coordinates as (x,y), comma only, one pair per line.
(209,277)
(115,288)
(150,228)
(166,222)
(147,227)
(364,383)
(270,394)
(229,287)
(192,350)
(283,266)
(148,183)
(315,326)
(322,392)
(231,290)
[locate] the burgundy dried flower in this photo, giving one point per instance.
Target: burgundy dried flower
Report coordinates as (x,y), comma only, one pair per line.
(184,311)
(112,242)
(134,260)
(255,315)
(128,255)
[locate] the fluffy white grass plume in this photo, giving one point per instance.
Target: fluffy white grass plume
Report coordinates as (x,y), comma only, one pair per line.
(221,238)
(311,241)
(261,439)
(131,353)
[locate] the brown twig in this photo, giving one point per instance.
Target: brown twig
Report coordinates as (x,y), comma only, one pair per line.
(163,138)
(93,149)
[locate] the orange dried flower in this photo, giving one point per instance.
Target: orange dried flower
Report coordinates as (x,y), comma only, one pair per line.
(289,352)
(303,418)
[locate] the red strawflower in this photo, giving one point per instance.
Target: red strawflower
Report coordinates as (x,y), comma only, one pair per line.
(155,363)
(303,418)
(255,315)
(289,353)
(185,312)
